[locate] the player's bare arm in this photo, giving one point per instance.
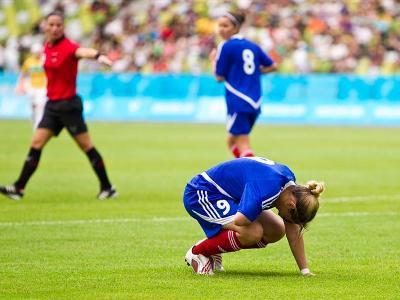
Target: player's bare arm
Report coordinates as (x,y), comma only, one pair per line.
(296,243)
(269,69)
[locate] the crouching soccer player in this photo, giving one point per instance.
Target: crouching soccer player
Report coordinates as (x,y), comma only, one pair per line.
(232,203)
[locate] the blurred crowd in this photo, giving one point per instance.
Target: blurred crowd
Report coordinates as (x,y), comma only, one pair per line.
(176,36)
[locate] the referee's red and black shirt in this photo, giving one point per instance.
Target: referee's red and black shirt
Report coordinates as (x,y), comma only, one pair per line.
(61,67)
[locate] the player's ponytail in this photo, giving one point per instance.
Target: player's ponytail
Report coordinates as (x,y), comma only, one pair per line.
(316,188)
(307,202)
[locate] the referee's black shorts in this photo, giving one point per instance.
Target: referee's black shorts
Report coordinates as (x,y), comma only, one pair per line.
(64,113)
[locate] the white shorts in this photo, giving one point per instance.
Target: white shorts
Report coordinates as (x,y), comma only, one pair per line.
(37,97)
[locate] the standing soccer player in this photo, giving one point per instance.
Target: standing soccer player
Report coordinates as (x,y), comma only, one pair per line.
(32,82)
(232,203)
(240,63)
(63,108)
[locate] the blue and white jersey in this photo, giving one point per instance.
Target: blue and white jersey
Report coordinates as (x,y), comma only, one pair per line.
(254,183)
(238,61)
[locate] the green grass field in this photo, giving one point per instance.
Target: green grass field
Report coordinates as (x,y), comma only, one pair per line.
(59,242)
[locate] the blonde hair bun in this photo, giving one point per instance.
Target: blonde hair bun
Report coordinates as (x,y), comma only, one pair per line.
(316,188)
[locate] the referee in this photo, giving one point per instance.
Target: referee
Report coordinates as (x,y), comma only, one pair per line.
(63,108)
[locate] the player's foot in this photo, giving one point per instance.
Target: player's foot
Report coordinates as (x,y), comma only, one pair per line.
(217,259)
(217,263)
(11,192)
(200,263)
(107,194)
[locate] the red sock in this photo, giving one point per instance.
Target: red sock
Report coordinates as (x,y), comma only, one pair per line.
(247,153)
(235,151)
(260,244)
(225,241)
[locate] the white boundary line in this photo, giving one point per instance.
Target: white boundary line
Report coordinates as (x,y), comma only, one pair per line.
(168,219)
(360,198)
(94,221)
(358,214)
(185,219)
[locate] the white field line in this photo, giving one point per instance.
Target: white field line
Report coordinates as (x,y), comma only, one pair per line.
(184,219)
(361,198)
(167,219)
(357,214)
(94,221)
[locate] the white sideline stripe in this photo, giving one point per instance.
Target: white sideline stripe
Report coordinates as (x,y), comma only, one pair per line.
(358,214)
(94,221)
(171,219)
(360,198)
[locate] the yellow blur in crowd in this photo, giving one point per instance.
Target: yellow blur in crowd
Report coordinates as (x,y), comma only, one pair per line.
(32,68)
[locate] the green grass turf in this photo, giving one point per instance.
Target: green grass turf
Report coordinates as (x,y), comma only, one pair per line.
(60,242)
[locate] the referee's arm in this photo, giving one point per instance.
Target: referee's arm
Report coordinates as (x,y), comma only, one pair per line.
(91,53)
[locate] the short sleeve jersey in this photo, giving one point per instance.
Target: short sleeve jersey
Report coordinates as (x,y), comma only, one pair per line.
(255,183)
(238,61)
(61,67)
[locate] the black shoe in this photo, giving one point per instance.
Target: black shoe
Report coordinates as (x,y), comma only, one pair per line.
(11,192)
(107,194)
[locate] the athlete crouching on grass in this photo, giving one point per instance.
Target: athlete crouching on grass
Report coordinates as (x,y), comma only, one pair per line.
(63,108)
(232,203)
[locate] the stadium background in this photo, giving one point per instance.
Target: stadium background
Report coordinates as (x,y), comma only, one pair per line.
(339,65)
(338,60)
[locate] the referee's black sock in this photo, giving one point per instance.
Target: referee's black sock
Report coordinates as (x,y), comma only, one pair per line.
(30,165)
(98,166)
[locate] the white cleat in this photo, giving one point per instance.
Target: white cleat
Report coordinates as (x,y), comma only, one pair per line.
(217,263)
(11,192)
(216,258)
(107,194)
(201,264)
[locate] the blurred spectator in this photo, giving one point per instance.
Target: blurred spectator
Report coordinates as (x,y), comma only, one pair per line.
(343,36)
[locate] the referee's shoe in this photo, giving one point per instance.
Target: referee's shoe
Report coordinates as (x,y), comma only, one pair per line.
(11,192)
(107,194)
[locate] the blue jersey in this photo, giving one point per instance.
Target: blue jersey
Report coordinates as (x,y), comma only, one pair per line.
(248,185)
(238,61)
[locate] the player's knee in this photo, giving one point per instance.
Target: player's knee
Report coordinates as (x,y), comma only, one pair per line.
(258,233)
(279,233)
(276,232)
(85,147)
(37,142)
(255,233)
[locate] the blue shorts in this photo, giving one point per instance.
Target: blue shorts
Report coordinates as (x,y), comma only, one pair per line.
(208,206)
(240,123)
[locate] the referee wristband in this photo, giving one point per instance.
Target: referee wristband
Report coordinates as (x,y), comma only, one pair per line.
(305,271)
